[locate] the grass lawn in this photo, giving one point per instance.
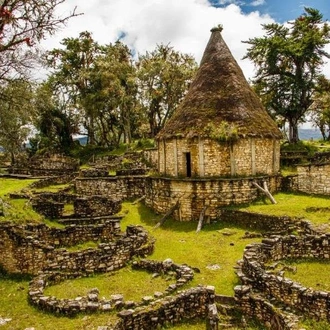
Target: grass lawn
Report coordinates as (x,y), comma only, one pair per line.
(310,273)
(309,207)
(16,210)
(214,251)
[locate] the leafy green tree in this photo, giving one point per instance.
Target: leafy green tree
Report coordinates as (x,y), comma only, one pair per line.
(56,121)
(23,23)
(72,67)
(288,61)
(320,109)
(16,116)
(112,93)
(164,77)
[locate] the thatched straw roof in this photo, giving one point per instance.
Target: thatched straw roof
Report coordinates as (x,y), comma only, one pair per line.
(219,100)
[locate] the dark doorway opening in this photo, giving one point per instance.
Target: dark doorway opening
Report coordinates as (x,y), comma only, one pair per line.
(188,164)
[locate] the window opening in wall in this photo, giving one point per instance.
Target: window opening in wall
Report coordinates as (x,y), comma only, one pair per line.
(188,164)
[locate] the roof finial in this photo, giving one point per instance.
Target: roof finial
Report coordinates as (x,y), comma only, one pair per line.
(219,28)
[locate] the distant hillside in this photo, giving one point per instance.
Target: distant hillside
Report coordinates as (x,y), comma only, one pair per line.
(309,133)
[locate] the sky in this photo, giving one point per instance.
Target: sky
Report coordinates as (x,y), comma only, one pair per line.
(183,24)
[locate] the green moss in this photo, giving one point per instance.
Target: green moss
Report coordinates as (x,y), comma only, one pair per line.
(224,132)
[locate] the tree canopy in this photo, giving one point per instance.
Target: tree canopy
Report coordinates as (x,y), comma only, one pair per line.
(289,60)
(23,24)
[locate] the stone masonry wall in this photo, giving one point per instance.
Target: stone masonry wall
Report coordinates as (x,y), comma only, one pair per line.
(189,304)
(210,158)
(195,194)
(48,166)
(310,179)
(123,187)
(257,306)
(92,302)
(314,179)
(266,223)
(29,249)
(254,273)
(96,206)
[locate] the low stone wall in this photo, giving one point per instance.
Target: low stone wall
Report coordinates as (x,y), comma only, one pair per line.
(48,208)
(29,249)
(266,223)
(95,172)
(92,302)
(123,187)
(187,305)
(48,166)
(130,159)
(54,180)
(131,172)
(151,156)
(254,305)
(254,273)
(310,179)
(59,197)
(51,205)
(196,194)
(314,179)
(96,206)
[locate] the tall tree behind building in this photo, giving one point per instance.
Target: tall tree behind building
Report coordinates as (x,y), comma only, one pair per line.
(289,61)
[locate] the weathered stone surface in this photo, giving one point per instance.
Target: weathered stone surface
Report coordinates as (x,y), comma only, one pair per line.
(31,248)
(254,274)
(118,188)
(210,158)
(194,194)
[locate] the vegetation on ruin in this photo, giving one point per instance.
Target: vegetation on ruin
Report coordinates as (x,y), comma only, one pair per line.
(214,251)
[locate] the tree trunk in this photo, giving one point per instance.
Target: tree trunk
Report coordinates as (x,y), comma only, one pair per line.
(293,131)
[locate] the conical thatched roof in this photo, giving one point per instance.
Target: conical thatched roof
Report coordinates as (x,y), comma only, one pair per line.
(220,96)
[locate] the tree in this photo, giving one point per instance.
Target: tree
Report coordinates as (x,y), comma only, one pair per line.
(24,23)
(320,109)
(72,69)
(288,62)
(164,77)
(56,121)
(112,92)
(16,116)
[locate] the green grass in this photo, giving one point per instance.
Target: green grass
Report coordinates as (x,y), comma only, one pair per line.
(14,305)
(310,273)
(52,188)
(8,186)
(16,210)
(118,282)
(19,211)
(309,207)
(214,245)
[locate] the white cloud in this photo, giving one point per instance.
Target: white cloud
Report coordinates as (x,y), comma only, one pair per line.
(185,24)
(258,3)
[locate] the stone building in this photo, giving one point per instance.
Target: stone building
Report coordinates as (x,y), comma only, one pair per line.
(218,140)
